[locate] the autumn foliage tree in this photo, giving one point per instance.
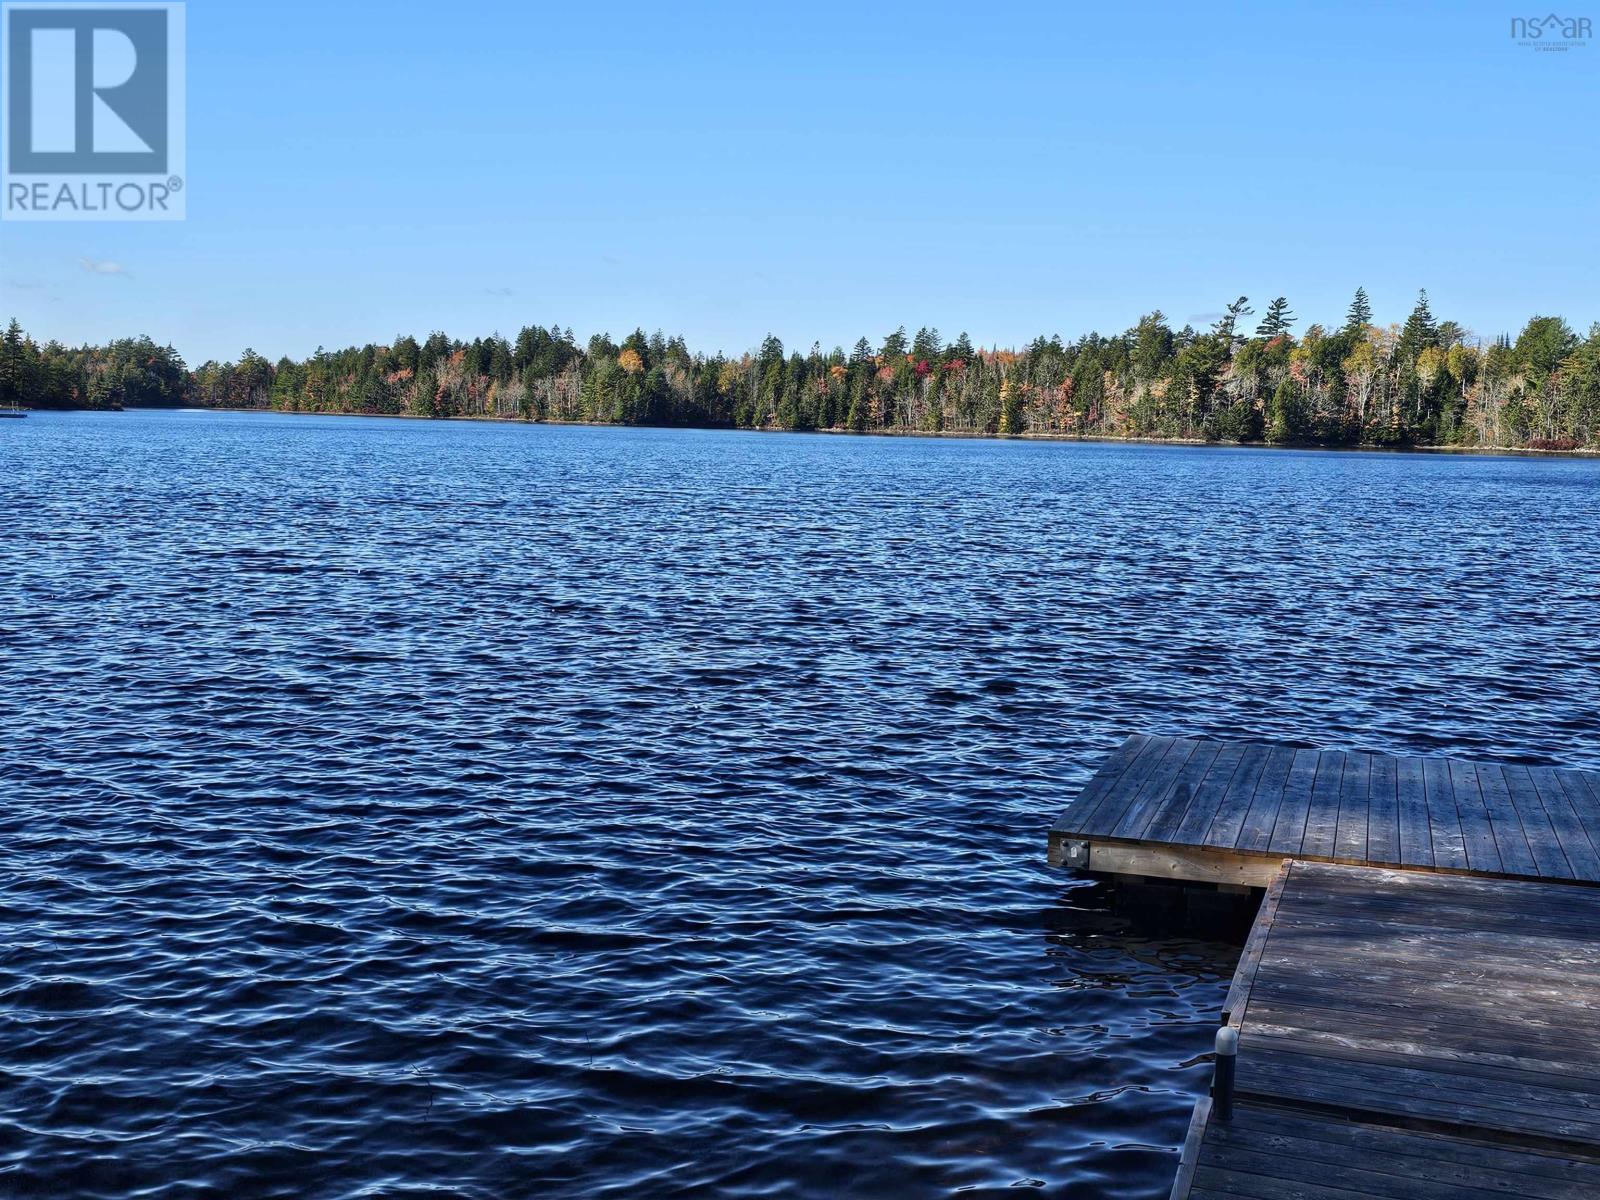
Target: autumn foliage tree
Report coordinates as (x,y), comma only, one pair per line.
(1425,382)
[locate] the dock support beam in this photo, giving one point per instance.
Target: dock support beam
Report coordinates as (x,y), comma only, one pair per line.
(1222,1081)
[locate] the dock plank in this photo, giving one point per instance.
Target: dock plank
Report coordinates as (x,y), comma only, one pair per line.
(1175,798)
(1125,759)
(1158,766)
(1188,824)
(1267,1154)
(1230,817)
(1541,786)
(1255,832)
(1355,791)
(1289,830)
(1383,812)
(1522,852)
(1196,824)
(1322,818)
(1583,793)
(1444,823)
(1416,834)
(1477,834)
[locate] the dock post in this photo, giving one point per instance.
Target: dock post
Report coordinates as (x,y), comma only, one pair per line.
(1222,1080)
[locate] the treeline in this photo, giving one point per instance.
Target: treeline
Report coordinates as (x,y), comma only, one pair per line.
(1426,382)
(126,374)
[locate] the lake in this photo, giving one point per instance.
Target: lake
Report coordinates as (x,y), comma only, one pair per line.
(448,809)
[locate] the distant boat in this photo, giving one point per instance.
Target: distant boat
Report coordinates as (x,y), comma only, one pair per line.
(13,412)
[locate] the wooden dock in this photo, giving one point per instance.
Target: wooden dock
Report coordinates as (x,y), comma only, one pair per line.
(1404,1034)
(1231,812)
(1418,1004)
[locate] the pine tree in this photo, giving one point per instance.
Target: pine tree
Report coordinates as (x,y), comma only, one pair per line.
(14,364)
(1544,344)
(1282,425)
(1011,418)
(1360,314)
(1277,320)
(1420,330)
(1224,328)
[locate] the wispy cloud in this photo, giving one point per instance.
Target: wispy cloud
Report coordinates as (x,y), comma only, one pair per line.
(103,266)
(44,290)
(501,291)
(1206,318)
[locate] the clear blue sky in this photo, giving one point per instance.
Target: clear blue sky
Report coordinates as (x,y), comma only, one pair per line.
(825,171)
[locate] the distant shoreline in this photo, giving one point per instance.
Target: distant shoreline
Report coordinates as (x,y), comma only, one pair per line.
(952,434)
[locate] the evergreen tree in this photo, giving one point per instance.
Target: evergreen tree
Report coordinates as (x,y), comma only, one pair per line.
(1152,345)
(1282,425)
(15,368)
(499,359)
(437,347)
(1543,344)
(406,353)
(1360,314)
(1277,320)
(1420,331)
(640,345)
(1224,328)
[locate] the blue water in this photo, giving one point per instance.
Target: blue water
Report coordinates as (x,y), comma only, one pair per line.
(409,809)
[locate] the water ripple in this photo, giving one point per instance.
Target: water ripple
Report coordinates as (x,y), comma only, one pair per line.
(402,809)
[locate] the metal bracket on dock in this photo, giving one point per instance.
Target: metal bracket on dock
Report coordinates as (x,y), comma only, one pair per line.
(1075,855)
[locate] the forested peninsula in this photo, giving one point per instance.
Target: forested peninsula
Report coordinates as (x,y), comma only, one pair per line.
(1427,382)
